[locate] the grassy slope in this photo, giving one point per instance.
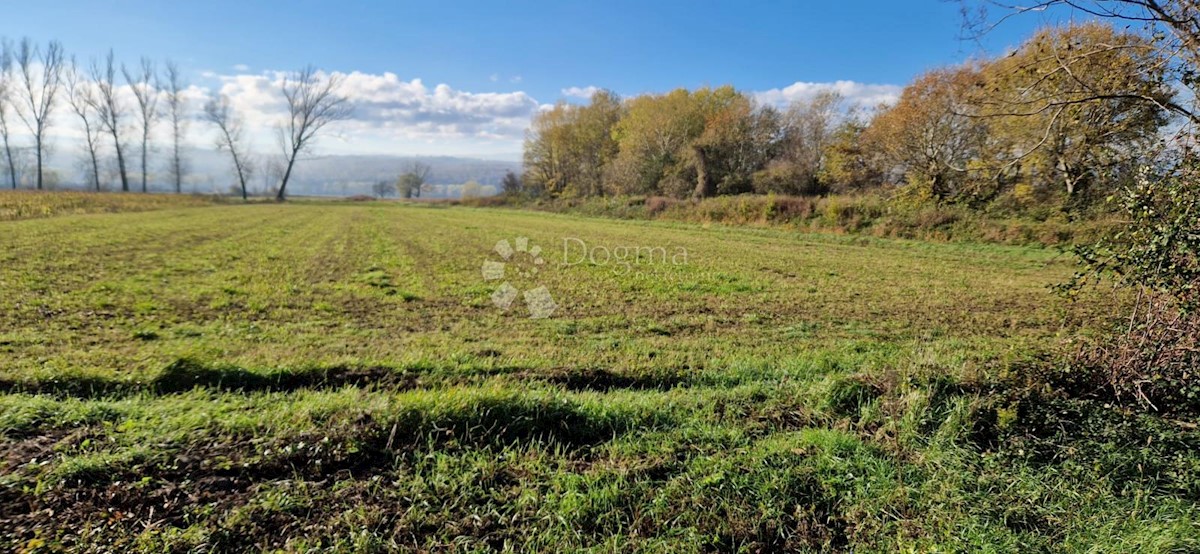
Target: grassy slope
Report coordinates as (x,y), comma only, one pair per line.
(335,375)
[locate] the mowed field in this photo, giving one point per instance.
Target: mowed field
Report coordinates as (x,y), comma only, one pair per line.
(336,376)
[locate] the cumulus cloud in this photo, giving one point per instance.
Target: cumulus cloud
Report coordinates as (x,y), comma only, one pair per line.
(241,67)
(387,107)
(580,92)
(863,94)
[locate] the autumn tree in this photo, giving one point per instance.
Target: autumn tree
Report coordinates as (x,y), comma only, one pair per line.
(737,140)
(593,141)
(847,162)
(1170,27)
(1067,105)
(1152,355)
(313,102)
(653,138)
(806,130)
(547,154)
(568,147)
(692,143)
(929,137)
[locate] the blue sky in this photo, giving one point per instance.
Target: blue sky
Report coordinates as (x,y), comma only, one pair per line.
(502,60)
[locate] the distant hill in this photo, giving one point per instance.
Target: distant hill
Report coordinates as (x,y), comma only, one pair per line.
(209,171)
(342,175)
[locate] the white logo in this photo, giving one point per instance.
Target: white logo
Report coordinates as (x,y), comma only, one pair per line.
(526,261)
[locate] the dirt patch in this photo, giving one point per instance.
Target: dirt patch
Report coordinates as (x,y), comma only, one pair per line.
(186,374)
(603,380)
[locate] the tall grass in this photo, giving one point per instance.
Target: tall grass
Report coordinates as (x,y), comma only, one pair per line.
(868,214)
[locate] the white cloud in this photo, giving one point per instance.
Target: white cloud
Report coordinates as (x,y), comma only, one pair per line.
(390,110)
(515,79)
(863,94)
(580,92)
(241,67)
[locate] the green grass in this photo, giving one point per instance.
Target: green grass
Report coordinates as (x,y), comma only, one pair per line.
(330,376)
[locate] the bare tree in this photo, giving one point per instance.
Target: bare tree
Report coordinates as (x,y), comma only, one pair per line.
(146,94)
(177,112)
(383,188)
(7,82)
(112,112)
(313,103)
(83,100)
(220,113)
(272,168)
(414,179)
(40,75)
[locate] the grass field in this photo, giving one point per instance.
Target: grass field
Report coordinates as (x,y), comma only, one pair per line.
(27,204)
(336,377)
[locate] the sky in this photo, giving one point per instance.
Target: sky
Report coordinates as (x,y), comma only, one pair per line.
(464,78)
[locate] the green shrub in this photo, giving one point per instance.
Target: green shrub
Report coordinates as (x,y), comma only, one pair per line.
(1154,362)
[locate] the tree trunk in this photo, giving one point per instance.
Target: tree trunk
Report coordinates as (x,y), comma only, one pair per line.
(38,146)
(704,184)
(177,164)
(144,143)
(237,164)
(95,166)
(120,162)
(12,169)
(287,174)
(1069,179)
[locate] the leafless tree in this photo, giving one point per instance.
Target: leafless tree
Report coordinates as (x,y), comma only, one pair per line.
(220,113)
(313,103)
(7,82)
(383,188)
(272,168)
(111,110)
(177,112)
(83,100)
(41,76)
(808,127)
(145,92)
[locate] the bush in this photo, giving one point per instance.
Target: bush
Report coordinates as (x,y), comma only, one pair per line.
(786,179)
(1155,360)
(788,208)
(658,204)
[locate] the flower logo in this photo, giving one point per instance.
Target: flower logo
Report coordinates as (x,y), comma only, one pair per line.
(523,262)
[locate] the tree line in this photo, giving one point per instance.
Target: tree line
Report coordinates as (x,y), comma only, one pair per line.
(122,109)
(1067,117)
